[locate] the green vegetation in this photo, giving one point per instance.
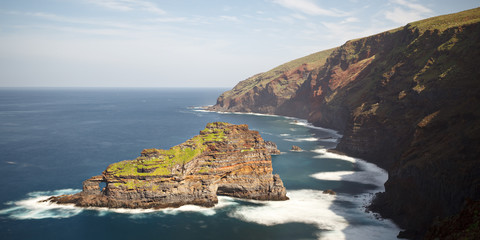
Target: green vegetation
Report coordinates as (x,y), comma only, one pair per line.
(167,160)
(131,184)
(312,61)
(247,150)
(444,22)
(204,170)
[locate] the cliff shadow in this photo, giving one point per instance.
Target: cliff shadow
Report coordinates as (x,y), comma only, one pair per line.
(352,199)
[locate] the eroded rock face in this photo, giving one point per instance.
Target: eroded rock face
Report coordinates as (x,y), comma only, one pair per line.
(296,148)
(406,100)
(224,159)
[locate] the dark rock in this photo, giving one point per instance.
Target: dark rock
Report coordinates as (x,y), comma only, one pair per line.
(406,100)
(296,149)
(329,191)
(272,148)
(464,225)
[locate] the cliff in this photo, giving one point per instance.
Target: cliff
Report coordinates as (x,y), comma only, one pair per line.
(224,159)
(270,91)
(408,100)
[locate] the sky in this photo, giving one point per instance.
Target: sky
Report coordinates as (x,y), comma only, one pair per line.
(183,43)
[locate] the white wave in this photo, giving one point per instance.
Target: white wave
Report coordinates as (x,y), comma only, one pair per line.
(202,109)
(304,206)
(314,207)
(363,176)
(308,139)
(325,154)
(222,203)
(33,207)
(284,135)
(368,173)
(371,173)
(251,113)
(296,121)
(334,176)
(334,140)
(305,123)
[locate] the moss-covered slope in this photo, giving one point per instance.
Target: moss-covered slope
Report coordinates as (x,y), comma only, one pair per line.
(223,159)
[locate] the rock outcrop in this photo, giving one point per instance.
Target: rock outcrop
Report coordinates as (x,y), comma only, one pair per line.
(407,100)
(329,191)
(296,148)
(224,159)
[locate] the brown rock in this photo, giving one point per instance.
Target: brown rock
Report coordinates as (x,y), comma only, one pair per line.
(272,148)
(224,159)
(296,149)
(329,191)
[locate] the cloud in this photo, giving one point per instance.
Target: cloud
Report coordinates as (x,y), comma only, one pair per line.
(129,5)
(405,12)
(229,18)
(299,16)
(309,7)
(350,20)
(79,21)
(414,6)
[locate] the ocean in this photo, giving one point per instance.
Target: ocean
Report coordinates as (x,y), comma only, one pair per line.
(53,139)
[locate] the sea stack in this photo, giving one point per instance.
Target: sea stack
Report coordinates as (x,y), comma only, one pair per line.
(224,159)
(296,149)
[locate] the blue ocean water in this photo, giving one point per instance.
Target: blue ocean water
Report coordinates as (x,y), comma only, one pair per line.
(53,139)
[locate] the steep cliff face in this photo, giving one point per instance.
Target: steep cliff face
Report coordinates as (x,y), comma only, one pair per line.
(268,92)
(408,100)
(224,159)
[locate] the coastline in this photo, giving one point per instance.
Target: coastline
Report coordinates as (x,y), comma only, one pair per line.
(338,221)
(301,121)
(366,199)
(331,151)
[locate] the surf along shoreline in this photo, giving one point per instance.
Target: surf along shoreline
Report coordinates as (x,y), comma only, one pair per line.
(331,151)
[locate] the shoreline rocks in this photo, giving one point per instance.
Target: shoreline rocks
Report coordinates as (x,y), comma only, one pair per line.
(296,149)
(329,191)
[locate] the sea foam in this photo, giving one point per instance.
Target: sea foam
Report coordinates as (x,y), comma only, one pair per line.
(304,206)
(305,123)
(318,209)
(368,173)
(304,139)
(334,220)
(324,153)
(34,207)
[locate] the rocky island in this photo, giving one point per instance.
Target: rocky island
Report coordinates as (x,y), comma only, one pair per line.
(224,159)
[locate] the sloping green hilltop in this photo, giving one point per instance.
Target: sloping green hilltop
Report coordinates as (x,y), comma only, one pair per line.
(159,162)
(224,159)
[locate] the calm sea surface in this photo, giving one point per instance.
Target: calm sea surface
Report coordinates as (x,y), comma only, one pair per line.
(53,139)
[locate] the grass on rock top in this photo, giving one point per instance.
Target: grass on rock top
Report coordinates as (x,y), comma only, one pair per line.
(167,160)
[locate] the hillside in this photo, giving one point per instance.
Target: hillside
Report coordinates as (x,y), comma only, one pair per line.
(265,92)
(406,99)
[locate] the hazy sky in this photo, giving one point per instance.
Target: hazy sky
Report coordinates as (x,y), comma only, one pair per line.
(176,43)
